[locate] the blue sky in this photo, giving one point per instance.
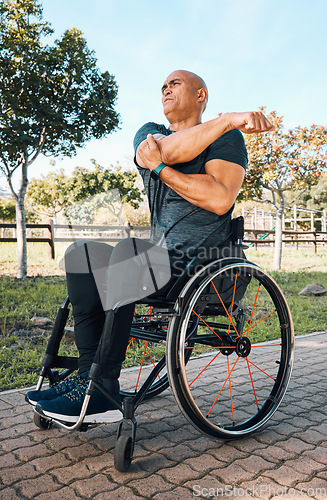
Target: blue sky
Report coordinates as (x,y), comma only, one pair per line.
(251,53)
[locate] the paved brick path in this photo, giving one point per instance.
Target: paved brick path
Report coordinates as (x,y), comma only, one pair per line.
(172,460)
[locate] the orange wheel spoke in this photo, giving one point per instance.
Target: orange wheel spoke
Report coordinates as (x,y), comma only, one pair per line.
(256,298)
(255,396)
(152,360)
(129,344)
(204,369)
(213,331)
(259,322)
(212,347)
(138,378)
(256,366)
(266,345)
(231,310)
(230,390)
(213,404)
(229,316)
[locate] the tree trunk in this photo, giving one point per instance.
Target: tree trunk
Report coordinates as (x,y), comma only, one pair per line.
(21,238)
(21,220)
(278,239)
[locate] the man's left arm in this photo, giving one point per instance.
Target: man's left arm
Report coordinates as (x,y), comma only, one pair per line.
(215,191)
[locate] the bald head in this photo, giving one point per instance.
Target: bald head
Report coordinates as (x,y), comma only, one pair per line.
(184,97)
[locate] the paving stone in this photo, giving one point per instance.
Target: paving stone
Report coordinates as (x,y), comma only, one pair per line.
(307,464)
(232,474)
(9,494)
(204,463)
(254,464)
(295,445)
(316,488)
(35,451)
(178,493)
(179,452)
(90,487)
(19,442)
(45,464)
(207,486)
(286,476)
(66,475)
(178,474)
(77,453)
(319,454)
(58,443)
(154,462)
(118,494)
(158,442)
(9,460)
(11,475)
(311,436)
(151,486)
(33,487)
(66,493)
(274,454)
(261,487)
(227,453)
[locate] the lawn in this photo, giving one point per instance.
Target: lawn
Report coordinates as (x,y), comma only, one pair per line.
(41,293)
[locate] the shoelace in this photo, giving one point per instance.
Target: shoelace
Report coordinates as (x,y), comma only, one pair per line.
(78,393)
(67,385)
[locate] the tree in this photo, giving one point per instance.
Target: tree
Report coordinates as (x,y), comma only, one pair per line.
(316,197)
(85,192)
(280,164)
(49,194)
(52,98)
(111,187)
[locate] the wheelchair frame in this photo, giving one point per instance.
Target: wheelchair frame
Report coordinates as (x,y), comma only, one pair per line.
(217,290)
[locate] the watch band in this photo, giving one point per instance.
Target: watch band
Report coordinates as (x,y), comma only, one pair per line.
(156,171)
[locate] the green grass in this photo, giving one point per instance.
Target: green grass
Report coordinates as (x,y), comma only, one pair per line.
(42,294)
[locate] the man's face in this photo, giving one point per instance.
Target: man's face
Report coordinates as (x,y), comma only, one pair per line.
(179,96)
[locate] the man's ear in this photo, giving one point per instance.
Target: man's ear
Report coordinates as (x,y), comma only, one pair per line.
(203,98)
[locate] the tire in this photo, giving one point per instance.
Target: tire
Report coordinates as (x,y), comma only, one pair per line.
(123,453)
(242,351)
(41,422)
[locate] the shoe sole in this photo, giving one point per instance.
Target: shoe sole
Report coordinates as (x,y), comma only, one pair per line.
(30,401)
(97,418)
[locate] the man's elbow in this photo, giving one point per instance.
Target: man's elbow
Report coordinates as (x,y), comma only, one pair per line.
(221,208)
(168,155)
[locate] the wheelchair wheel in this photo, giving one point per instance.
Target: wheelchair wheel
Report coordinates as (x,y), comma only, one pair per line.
(242,350)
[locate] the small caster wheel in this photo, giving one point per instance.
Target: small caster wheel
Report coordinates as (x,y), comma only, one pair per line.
(123,453)
(41,423)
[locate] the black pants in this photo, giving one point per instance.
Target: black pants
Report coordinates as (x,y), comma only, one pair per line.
(96,271)
(87,264)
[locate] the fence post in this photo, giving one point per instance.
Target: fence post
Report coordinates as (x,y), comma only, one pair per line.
(128,228)
(315,240)
(51,242)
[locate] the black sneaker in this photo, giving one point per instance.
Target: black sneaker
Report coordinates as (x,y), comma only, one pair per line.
(67,385)
(67,408)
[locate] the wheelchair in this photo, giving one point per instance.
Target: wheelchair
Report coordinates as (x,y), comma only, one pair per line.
(222,339)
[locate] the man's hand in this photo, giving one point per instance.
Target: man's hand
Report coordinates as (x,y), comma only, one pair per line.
(148,153)
(253,122)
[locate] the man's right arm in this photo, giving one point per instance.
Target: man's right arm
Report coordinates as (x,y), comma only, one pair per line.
(186,144)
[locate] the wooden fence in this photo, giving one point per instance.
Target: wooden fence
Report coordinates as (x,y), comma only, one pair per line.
(52,233)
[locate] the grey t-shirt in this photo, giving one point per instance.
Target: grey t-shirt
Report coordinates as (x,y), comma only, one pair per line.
(188,229)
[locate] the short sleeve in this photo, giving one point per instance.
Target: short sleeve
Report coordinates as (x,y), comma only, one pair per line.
(229,147)
(141,134)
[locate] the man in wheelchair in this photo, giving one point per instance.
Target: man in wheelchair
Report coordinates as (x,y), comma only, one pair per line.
(192,173)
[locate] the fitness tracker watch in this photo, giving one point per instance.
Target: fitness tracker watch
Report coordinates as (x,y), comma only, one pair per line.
(156,171)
